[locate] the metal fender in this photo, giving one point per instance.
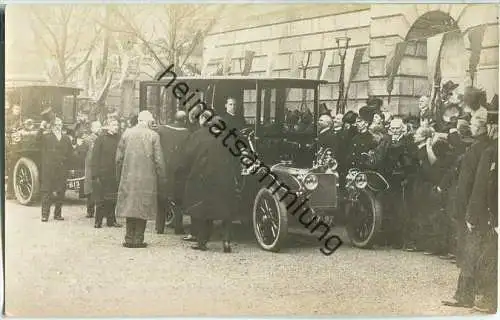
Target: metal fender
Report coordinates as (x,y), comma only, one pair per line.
(376,181)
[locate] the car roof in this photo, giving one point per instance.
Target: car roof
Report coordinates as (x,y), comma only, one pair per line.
(64,89)
(246,82)
(23,83)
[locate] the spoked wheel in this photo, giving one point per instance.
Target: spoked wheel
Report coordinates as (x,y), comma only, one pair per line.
(270,221)
(26,181)
(364,220)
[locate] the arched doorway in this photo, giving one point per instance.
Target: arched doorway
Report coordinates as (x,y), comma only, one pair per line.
(453,53)
(416,61)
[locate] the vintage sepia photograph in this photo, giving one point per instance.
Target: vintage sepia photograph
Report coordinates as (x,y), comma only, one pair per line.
(251,159)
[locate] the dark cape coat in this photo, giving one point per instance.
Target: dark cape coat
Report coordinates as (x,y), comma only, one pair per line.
(173,140)
(55,161)
(103,167)
(210,171)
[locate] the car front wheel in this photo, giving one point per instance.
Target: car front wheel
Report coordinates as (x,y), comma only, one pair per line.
(26,181)
(364,218)
(270,221)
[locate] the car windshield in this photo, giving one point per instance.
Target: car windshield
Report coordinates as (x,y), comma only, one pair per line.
(286,106)
(283,111)
(33,100)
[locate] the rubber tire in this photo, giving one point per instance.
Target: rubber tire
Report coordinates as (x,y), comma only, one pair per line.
(282,225)
(35,177)
(376,206)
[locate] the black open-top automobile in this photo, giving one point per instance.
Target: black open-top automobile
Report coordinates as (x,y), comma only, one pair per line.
(22,148)
(281,116)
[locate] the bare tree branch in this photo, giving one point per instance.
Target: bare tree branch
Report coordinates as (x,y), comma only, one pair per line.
(140,37)
(46,27)
(86,57)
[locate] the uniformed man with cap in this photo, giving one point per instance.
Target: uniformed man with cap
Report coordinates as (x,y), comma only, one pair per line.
(362,147)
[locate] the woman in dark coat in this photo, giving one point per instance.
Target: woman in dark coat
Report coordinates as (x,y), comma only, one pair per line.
(210,184)
(105,181)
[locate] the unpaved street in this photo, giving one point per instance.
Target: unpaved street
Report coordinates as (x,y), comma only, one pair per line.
(68,268)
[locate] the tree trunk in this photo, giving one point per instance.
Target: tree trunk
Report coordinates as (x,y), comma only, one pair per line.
(107,33)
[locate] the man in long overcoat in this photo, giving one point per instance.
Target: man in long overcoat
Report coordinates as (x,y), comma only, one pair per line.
(397,161)
(482,220)
(468,243)
(210,183)
(104,179)
(418,189)
(56,154)
(95,130)
(141,169)
(173,140)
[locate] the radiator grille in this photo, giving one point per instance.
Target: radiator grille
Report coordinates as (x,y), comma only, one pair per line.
(325,195)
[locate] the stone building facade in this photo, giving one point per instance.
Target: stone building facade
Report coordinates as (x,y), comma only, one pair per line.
(289,29)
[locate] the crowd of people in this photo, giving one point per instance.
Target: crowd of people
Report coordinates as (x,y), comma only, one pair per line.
(138,170)
(440,165)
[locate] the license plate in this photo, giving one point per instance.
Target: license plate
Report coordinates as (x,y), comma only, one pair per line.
(74,185)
